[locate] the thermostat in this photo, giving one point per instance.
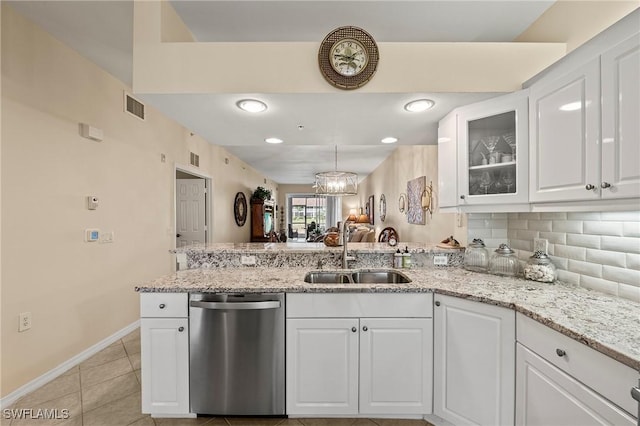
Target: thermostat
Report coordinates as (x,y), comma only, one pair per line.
(92,235)
(92,202)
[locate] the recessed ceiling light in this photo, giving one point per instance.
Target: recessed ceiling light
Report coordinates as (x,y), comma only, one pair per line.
(389,139)
(251,105)
(273,140)
(419,105)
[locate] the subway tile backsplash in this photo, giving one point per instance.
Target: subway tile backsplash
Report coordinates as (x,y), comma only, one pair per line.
(596,250)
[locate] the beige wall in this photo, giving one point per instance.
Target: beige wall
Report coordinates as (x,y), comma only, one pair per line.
(79,293)
(575,22)
(390,179)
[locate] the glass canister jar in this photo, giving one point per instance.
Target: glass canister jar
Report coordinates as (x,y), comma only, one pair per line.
(540,268)
(504,262)
(476,256)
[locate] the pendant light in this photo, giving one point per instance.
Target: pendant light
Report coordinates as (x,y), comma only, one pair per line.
(336,183)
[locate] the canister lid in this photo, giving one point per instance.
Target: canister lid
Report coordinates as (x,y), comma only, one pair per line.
(477,243)
(504,249)
(540,257)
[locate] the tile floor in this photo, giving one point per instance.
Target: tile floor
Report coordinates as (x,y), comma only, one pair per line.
(105,391)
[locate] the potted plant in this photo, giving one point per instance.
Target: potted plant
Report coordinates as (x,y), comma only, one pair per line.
(261,194)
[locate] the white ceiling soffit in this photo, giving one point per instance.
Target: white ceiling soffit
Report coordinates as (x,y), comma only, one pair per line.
(386,21)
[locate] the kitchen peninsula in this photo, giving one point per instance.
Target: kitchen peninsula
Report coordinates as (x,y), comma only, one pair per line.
(573,317)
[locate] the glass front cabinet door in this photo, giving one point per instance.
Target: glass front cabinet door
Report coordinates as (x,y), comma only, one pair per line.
(493,151)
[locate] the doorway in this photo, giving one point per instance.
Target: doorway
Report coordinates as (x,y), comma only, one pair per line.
(192,207)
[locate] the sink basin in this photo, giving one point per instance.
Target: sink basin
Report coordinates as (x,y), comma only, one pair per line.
(379,277)
(364,276)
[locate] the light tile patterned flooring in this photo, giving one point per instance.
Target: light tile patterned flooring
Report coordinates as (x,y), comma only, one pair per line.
(105,391)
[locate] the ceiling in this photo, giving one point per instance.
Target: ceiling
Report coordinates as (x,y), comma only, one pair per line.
(355,122)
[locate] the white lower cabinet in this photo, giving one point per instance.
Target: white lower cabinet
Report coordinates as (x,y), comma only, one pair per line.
(395,365)
(358,365)
(322,366)
(474,362)
(164,355)
(562,382)
(548,396)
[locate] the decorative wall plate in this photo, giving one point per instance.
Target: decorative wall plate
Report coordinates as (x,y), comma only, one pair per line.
(402,202)
(240,208)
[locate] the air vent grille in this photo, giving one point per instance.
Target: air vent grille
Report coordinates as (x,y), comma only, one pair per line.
(133,106)
(195,160)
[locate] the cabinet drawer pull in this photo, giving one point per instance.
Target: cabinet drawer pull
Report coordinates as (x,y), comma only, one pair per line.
(605,185)
(589,187)
(437,303)
(354,329)
(364,328)
(180,329)
(161,306)
(462,197)
(560,352)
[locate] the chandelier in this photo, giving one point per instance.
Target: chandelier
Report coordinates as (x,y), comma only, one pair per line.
(336,183)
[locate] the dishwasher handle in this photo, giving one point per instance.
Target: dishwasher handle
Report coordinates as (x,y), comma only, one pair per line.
(236,306)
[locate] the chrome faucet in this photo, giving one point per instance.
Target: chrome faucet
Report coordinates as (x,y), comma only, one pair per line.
(345,239)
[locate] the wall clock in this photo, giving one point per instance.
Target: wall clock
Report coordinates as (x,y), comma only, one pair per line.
(348,57)
(240,209)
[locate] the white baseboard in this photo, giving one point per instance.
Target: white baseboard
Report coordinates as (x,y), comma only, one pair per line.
(34,384)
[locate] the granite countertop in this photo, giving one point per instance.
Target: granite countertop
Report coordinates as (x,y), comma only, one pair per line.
(304,247)
(606,323)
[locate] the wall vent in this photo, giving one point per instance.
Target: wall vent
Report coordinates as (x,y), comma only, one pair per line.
(133,106)
(195,160)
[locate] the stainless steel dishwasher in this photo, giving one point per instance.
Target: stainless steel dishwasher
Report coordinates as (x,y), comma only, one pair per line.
(236,346)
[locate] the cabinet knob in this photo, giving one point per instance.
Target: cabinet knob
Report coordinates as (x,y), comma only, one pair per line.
(605,185)
(560,352)
(589,187)
(354,329)
(161,306)
(437,303)
(180,329)
(462,197)
(364,328)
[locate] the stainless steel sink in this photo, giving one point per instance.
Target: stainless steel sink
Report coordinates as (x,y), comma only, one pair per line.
(362,276)
(379,276)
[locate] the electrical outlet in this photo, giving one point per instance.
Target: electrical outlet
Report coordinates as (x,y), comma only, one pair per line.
(24,323)
(540,244)
(440,260)
(247,260)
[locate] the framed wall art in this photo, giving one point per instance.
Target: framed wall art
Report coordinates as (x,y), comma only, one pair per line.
(415,189)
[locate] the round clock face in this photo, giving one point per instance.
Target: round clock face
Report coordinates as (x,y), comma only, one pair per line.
(348,57)
(392,242)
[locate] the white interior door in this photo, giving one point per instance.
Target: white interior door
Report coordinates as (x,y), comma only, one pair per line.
(190,212)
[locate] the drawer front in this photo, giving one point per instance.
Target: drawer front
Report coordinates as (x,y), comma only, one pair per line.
(158,305)
(355,305)
(608,377)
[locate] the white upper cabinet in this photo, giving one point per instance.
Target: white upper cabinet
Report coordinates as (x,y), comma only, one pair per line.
(447,161)
(621,120)
(585,130)
(493,151)
(564,116)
